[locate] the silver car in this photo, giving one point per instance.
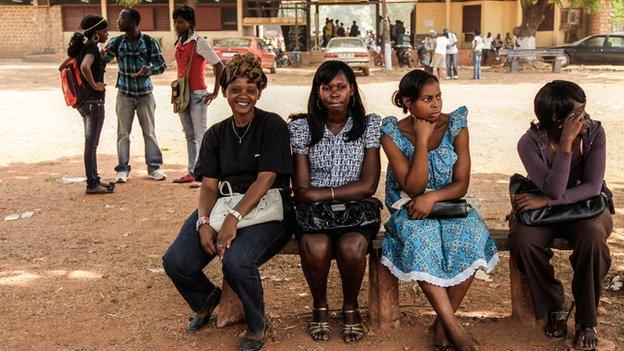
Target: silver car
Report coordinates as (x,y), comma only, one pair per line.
(351,51)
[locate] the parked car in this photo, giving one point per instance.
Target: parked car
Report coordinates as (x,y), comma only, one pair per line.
(604,49)
(350,50)
(226,48)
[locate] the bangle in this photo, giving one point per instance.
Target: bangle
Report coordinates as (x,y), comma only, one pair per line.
(236,215)
(201,221)
(332,192)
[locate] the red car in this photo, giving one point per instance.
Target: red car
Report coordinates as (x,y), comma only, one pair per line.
(228,47)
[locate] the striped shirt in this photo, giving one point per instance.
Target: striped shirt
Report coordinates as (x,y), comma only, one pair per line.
(131,58)
(203,48)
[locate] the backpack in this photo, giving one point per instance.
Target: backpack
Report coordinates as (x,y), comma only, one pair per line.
(72,83)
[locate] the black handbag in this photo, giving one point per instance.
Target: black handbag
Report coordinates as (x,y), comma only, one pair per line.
(329,215)
(449,209)
(588,208)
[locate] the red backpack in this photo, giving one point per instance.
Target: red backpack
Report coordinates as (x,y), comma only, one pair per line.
(74,87)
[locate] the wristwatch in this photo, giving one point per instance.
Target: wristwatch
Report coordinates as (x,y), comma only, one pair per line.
(201,221)
(236,215)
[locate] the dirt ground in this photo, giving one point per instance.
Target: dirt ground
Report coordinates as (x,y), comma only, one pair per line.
(84,273)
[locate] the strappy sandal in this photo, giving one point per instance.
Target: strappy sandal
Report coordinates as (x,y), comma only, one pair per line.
(354,330)
(581,335)
(318,329)
(557,326)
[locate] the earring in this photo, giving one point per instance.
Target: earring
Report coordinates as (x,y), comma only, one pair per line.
(95,38)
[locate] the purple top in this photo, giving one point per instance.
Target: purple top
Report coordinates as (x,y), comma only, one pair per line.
(560,180)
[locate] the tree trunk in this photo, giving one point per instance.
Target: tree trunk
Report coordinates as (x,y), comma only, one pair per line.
(387,49)
(532,17)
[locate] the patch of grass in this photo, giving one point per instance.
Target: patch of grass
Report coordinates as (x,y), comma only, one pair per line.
(50,179)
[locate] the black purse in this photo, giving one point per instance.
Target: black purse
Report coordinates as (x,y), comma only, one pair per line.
(329,215)
(449,209)
(588,208)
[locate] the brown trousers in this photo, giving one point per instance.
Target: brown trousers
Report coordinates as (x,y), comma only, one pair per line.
(530,247)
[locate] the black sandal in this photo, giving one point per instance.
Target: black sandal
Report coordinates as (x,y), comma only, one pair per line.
(318,329)
(581,334)
(557,326)
(353,330)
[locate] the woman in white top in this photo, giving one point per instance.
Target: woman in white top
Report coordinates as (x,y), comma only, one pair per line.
(477,47)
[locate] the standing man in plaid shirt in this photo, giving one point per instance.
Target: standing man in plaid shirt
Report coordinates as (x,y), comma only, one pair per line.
(138,57)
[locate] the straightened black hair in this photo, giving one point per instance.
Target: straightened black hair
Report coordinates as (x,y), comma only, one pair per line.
(187,13)
(555,100)
(410,87)
(78,40)
(134,14)
(317,113)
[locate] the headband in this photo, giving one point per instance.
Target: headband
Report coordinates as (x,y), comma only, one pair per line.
(95,25)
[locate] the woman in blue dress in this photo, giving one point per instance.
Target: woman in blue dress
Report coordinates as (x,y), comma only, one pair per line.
(429,161)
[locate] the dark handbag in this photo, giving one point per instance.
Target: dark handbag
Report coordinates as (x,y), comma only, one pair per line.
(329,215)
(449,209)
(588,208)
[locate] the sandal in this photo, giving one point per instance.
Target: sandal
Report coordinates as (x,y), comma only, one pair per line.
(582,334)
(354,330)
(318,330)
(557,326)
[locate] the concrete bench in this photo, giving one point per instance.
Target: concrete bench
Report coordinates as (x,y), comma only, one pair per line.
(383,288)
(554,56)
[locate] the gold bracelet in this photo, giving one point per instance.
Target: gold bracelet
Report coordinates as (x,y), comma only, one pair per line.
(332,192)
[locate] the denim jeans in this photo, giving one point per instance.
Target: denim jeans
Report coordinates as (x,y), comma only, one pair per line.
(194,125)
(476,65)
(451,65)
(184,260)
(92,112)
(144,107)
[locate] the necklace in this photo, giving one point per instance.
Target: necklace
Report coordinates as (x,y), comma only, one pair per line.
(240,137)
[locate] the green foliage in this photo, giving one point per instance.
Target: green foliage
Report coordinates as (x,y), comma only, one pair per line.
(129,3)
(618,13)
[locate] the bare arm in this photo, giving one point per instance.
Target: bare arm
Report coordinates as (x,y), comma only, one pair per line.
(85,68)
(365,187)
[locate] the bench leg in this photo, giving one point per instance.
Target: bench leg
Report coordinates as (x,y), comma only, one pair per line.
(230,308)
(521,300)
(383,295)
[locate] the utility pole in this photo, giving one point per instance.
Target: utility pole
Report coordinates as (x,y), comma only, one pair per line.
(387,49)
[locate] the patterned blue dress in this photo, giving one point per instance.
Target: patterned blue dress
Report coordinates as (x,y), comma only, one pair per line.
(442,252)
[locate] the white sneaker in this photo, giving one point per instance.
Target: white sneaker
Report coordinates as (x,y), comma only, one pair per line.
(122,177)
(455,77)
(447,77)
(157,174)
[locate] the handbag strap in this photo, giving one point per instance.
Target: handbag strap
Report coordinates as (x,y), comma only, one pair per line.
(188,68)
(229,188)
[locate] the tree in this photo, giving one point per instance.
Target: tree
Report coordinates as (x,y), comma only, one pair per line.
(129,3)
(618,13)
(533,16)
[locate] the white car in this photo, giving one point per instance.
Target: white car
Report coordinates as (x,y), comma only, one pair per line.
(351,51)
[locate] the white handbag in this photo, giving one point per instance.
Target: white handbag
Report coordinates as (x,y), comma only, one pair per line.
(270,208)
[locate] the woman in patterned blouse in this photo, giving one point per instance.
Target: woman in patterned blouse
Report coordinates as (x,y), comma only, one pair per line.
(336,154)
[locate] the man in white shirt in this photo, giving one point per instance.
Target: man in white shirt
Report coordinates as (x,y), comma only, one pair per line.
(477,48)
(439,54)
(451,55)
(487,47)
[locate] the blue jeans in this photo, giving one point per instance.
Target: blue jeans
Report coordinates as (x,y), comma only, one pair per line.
(476,65)
(451,65)
(194,125)
(92,112)
(144,107)
(254,245)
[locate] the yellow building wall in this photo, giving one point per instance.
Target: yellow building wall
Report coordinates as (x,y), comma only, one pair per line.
(430,16)
(492,18)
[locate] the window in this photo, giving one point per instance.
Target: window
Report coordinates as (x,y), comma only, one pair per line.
(471,18)
(548,24)
(16,2)
(594,42)
(345,43)
(232,43)
(73,14)
(616,42)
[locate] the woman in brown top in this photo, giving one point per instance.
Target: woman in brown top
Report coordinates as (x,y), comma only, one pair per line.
(564,155)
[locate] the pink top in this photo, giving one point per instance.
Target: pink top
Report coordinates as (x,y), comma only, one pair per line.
(202,54)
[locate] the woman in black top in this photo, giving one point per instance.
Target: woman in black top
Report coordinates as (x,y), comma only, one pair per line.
(250,150)
(83,47)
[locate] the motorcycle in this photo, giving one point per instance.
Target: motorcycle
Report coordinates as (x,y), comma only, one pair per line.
(281,58)
(404,54)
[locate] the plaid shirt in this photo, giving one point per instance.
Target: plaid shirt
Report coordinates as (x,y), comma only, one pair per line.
(131,59)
